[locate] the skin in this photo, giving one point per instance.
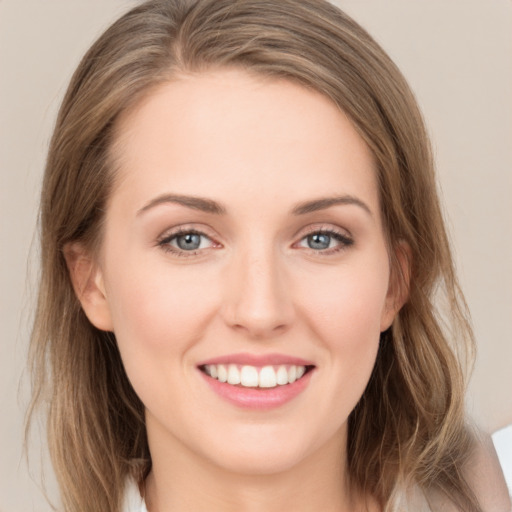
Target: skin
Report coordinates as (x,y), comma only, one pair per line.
(258,148)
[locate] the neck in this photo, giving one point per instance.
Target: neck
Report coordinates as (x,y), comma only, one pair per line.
(181,480)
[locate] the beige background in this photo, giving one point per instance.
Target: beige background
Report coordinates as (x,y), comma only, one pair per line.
(457,55)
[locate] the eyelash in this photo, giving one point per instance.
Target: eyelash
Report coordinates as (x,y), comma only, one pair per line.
(165,242)
(344,240)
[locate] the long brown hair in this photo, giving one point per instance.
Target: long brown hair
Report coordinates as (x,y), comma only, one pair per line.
(409,426)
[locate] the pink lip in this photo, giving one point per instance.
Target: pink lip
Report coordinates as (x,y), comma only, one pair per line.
(257,398)
(257,360)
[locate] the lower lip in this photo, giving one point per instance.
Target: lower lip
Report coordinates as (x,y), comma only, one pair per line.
(258,398)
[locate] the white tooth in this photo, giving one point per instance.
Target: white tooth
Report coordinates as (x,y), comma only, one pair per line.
(249,376)
(222,373)
(292,374)
(282,375)
(267,377)
(207,370)
(301,370)
(233,374)
(213,370)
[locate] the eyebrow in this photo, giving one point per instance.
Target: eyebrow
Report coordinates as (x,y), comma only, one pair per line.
(210,206)
(326,202)
(196,203)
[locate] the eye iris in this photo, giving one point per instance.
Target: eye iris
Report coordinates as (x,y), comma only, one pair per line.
(188,242)
(319,241)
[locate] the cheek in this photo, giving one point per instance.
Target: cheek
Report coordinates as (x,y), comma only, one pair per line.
(344,310)
(156,312)
(158,315)
(347,304)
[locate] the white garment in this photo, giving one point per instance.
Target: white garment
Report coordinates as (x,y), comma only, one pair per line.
(412,500)
(133,502)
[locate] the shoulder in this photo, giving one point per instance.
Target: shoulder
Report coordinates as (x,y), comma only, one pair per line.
(485,477)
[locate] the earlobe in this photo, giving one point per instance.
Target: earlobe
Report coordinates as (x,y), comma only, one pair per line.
(87,280)
(399,283)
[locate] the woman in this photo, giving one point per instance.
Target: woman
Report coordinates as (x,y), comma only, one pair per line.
(242,258)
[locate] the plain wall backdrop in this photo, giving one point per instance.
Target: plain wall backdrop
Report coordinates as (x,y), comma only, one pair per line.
(457,57)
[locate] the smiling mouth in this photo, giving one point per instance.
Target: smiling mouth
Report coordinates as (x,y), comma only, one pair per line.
(248,376)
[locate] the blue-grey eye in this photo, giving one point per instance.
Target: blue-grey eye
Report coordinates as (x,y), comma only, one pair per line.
(319,241)
(188,241)
(323,240)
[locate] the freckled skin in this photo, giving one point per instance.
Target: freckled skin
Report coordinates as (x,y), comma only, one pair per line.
(257,147)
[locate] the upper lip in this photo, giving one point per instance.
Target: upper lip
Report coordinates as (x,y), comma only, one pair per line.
(257,360)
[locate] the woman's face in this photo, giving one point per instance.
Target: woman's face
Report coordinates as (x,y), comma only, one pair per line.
(244,240)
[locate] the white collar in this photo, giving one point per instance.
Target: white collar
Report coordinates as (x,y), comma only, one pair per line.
(133,501)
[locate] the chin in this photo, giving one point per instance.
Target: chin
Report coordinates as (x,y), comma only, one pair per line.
(264,451)
(260,462)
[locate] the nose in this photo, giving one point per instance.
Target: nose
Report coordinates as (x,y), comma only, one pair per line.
(258,299)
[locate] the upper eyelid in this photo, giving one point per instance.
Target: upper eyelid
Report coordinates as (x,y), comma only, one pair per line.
(343,238)
(214,237)
(322,228)
(186,228)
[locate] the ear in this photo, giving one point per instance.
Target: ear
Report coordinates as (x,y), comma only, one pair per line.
(87,280)
(399,282)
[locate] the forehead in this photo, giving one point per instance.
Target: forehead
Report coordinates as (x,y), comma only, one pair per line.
(232,132)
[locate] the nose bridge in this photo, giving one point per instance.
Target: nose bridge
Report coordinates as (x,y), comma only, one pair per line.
(258,301)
